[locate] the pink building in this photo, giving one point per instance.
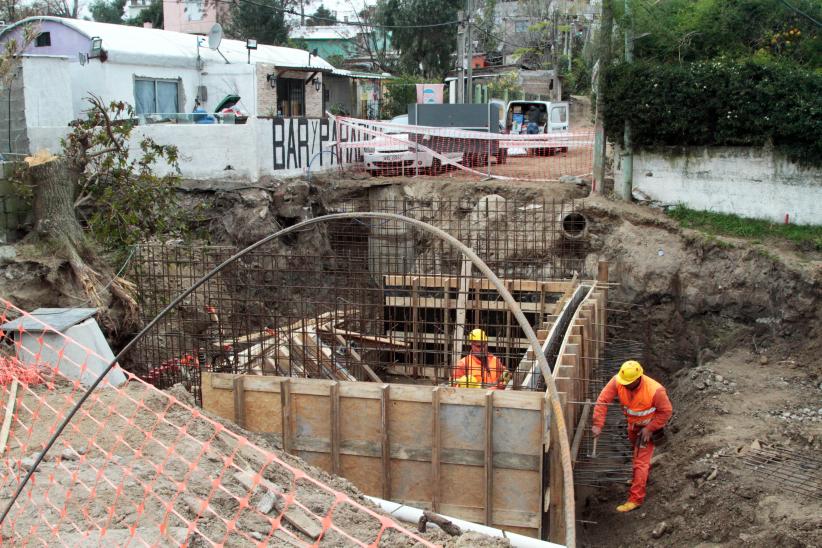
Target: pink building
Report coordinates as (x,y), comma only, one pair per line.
(191,16)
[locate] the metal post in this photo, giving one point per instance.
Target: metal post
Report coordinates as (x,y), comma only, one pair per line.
(625,190)
(469,35)
(605,29)
(461,57)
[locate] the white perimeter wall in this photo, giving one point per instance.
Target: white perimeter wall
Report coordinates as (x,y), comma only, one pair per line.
(749,182)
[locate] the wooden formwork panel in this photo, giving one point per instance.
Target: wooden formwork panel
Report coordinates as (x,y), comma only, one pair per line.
(447,449)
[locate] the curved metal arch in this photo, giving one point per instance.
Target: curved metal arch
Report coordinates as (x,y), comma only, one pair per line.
(557,415)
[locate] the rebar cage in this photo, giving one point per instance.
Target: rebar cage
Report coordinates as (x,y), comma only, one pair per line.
(359,300)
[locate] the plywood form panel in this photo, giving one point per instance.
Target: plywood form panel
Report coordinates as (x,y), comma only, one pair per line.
(364,472)
(411,483)
(216,400)
(263,412)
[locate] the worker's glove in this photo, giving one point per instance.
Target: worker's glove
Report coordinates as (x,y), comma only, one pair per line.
(506,377)
(596,431)
(645,435)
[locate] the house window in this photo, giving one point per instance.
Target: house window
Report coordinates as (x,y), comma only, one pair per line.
(43,40)
(156,96)
(521,26)
(290,97)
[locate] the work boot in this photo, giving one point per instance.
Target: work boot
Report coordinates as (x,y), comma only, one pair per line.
(628,506)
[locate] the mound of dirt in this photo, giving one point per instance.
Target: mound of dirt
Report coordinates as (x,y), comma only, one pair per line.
(134,464)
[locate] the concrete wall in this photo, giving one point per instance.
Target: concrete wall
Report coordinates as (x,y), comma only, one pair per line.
(13,136)
(281,147)
(749,182)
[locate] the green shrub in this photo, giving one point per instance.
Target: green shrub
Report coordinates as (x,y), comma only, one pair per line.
(718,102)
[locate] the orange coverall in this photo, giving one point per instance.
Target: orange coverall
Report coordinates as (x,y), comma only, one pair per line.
(472,366)
(646,406)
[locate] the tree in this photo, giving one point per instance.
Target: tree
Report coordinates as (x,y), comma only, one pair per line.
(682,30)
(152,14)
(115,193)
(58,8)
(263,20)
(423,49)
(108,12)
(321,18)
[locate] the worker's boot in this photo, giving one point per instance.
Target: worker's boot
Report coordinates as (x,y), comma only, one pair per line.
(627,507)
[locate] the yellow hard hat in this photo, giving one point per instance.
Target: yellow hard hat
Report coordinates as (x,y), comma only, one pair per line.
(478,335)
(467,381)
(629,372)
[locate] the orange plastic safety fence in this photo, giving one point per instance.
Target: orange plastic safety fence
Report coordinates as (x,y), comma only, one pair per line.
(386,149)
(138,466)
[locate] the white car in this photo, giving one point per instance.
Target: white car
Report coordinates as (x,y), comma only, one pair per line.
(396,154)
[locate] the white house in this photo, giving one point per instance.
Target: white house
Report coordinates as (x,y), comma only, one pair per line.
(164,75)
(160,72)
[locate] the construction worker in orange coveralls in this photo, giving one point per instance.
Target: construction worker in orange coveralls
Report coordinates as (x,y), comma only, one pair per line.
(646,405)
(480,368)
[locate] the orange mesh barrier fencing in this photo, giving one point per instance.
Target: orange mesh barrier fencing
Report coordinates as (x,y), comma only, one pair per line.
(386,149)
(141,467)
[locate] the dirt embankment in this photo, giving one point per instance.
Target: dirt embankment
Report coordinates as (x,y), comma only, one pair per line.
(689,297)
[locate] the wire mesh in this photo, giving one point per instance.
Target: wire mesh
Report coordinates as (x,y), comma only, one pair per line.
(793,471)
(386,149)
(612,461)
(359,300)
(138,466)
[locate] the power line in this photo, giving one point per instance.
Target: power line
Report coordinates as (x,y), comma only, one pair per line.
(330,20)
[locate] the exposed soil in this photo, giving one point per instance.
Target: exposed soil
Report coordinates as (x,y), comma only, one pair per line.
(704,307)
(701,488)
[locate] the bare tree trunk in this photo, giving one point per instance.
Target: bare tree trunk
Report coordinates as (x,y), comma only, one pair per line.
(54,192)
(55,222)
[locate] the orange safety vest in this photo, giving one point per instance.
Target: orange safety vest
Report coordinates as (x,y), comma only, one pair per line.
(638,405)
(471,366)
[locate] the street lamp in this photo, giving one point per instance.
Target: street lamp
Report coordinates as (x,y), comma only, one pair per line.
(250,44)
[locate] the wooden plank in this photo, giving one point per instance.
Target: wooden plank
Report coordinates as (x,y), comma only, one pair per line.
(334,416)
(288,419)
(380,341)
(489,456)
(459,323)
(435,450)
(295,515)
(433,338)
(239,401)
(415,343)
(555,506)
(444,303)
(12,401)
(525,286)
(385,442)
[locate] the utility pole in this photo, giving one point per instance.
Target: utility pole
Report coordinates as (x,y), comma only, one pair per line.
(461,57)
(626,190)
(605,28)
(470,37)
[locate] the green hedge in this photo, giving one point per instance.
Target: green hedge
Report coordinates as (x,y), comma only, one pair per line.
(717,103)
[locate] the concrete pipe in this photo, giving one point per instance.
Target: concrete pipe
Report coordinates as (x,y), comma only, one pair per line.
(573,225)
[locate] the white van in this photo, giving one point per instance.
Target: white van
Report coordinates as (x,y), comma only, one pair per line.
(553,117)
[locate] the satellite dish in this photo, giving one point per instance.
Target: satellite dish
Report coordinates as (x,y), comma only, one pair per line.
(215,36)
(83,58)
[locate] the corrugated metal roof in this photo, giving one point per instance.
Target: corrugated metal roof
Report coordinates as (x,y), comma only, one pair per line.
(58,319)
(142,46)
(330,32)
